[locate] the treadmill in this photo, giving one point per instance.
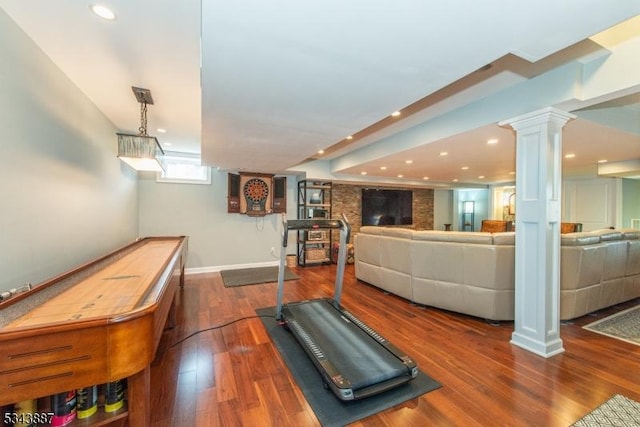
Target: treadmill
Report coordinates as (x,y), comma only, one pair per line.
(354,360)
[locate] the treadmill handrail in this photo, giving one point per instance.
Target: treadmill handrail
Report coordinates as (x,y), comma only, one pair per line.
(314,224)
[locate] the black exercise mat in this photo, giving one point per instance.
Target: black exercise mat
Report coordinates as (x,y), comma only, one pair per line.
(253,276)
(330,410)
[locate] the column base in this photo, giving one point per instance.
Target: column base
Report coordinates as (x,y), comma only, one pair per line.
(541,348)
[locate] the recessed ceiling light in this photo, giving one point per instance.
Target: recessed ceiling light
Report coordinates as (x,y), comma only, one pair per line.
(455,180)
(481,177)
(443,153)
(492,141)
(464,168)
(383,168)
(425,178)
(569,156)
(400,176)
(408,161)
(363,173)
(161,130)
(350,137)
(320,151)
(103,12)
(395,114)
(512,173)
(603,161)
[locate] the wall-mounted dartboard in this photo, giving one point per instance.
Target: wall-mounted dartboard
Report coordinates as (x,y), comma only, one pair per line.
(256,193)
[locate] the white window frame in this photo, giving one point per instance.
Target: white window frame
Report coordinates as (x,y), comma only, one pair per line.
(183,159)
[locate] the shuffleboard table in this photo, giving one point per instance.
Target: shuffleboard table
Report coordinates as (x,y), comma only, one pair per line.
(98,323)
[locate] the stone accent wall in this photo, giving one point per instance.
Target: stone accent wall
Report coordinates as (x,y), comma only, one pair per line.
(423,209)
(347,199)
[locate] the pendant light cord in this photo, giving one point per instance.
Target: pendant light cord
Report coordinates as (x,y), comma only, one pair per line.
(143,119)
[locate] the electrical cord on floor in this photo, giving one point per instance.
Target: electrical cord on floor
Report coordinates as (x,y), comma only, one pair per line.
(213,328)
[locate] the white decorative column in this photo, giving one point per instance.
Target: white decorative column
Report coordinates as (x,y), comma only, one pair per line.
(537,249)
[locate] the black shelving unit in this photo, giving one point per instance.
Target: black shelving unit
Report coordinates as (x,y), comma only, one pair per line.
(314,201)
(468,216)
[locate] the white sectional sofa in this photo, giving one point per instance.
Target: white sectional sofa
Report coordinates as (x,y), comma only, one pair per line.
(599,269)
(474,272)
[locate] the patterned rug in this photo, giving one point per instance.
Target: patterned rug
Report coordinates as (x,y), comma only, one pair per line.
(618,411)
(624,326)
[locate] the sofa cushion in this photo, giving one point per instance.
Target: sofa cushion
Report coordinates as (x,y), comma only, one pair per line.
(631,287)
(581,266)
(579,239)
(369,273)
(368,248)
(437,261)
(608,234)
(611,292)
(577,302)
(370,229)
(473,237)
(437,293)
(630,233)
(633,258)
(433,235)
(488,266)
(368,266)
(454,236)
(506,238)
(397,232)
(395,254)
(397,283)
(615,259)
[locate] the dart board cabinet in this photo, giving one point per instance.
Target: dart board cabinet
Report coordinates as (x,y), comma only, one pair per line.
(256,194)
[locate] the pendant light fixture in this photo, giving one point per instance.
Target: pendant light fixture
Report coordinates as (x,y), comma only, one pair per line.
(142,152)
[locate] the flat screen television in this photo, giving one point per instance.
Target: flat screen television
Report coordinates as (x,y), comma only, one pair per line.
(387,207)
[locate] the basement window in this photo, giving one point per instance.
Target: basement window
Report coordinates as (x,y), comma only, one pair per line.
(183,168)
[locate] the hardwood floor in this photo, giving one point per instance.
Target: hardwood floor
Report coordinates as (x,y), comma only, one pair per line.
(234,376)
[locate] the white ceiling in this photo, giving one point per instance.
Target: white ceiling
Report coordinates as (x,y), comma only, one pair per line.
(262,86)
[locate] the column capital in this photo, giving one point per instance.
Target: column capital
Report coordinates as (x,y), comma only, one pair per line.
(538,117)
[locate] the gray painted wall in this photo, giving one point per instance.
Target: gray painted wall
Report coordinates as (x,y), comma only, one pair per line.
(442,208)
(65,197)
(216,238)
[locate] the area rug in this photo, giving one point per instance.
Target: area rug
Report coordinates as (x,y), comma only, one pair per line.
(617,411)
(330,410)
(253,276)
(624,326)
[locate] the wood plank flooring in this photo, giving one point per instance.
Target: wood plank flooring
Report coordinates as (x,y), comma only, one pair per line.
(234,376)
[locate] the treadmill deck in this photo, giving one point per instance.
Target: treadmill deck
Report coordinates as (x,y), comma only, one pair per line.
(354,360)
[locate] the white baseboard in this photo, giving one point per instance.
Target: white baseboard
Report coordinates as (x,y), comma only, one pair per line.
(218,268)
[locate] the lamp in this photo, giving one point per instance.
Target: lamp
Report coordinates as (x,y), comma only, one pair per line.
(142,152)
